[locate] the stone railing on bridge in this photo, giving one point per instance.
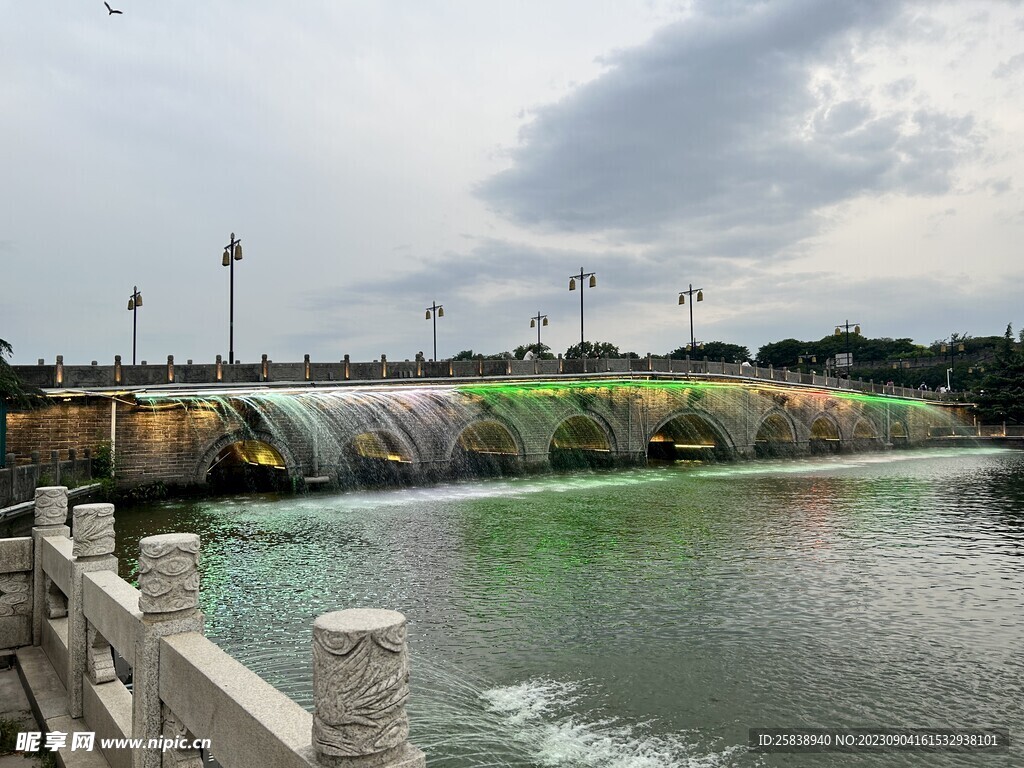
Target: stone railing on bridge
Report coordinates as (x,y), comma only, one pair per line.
(63,607)
(61,376)
(992,431)
(18,480)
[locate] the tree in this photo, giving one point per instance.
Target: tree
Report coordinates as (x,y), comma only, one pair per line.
(1002,397)
(540,351)
(469,354)
(782,353)
(714,350)
(12,391)
(597,349)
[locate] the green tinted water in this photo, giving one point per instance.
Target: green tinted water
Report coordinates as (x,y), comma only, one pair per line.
(649,617)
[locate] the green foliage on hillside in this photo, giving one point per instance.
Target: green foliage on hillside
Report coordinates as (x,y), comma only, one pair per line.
(1002,390)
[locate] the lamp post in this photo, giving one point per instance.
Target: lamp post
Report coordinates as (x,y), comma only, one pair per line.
(134,302)
(232,253)
(435,311)
(947,345)
(572,287)
(536,322)
(806,358)
(839,330)
(682,300)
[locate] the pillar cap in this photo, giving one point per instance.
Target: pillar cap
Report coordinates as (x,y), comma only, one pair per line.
(358,620)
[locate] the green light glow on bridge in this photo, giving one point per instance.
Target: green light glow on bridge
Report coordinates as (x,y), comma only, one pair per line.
(552,387)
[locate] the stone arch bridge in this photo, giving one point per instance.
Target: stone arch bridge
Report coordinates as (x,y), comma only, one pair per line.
(433,430)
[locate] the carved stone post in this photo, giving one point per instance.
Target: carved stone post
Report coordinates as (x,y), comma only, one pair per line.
(51,512)
(55,466)
(169,601)
(92,550)
(360,686)
(305,366)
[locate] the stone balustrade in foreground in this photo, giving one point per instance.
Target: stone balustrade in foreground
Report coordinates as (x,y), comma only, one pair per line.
(63,608)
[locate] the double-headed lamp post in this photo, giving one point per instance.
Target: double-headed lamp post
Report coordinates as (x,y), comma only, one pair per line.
(536,322)
(682,300)
(134,302)
(954,346)
(839,332)
(572,287)
(232,253)
(435,311)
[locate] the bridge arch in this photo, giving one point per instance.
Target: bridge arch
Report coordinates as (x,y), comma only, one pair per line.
(775,435)
(485,446)
(582,440)
(690,434)
(376,453)
(246,459)
(825,435)
(898,434)
(866,434)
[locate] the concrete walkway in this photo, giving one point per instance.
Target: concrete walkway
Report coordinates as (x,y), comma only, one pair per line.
(30,693)
(14,706)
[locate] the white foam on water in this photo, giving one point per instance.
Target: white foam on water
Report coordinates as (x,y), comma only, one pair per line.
(802,466)
(542,717)
(493,489)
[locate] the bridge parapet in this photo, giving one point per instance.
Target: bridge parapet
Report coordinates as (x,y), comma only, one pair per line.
(60,376)
(185,689)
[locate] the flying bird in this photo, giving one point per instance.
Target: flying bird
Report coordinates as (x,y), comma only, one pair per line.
(110,11)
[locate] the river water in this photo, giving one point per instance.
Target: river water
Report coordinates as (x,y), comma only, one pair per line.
(646,618)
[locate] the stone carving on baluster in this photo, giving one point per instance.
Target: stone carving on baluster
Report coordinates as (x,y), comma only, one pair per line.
(99,659)
(93,531)
(169,573)
(175,731)
(360,686)
(56,601)
(15,594)
(51,506)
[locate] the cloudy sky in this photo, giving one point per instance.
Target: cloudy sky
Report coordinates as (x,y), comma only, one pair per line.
(804,161)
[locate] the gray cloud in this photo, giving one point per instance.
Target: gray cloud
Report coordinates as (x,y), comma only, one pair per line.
(1012,66)
(711,128)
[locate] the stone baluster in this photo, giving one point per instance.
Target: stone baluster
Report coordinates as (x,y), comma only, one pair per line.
(170,369)
(305,366)
(360,686)
(117,370)
(51,514)
(92,550)
(169,601)
(55,466)
(220,368)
